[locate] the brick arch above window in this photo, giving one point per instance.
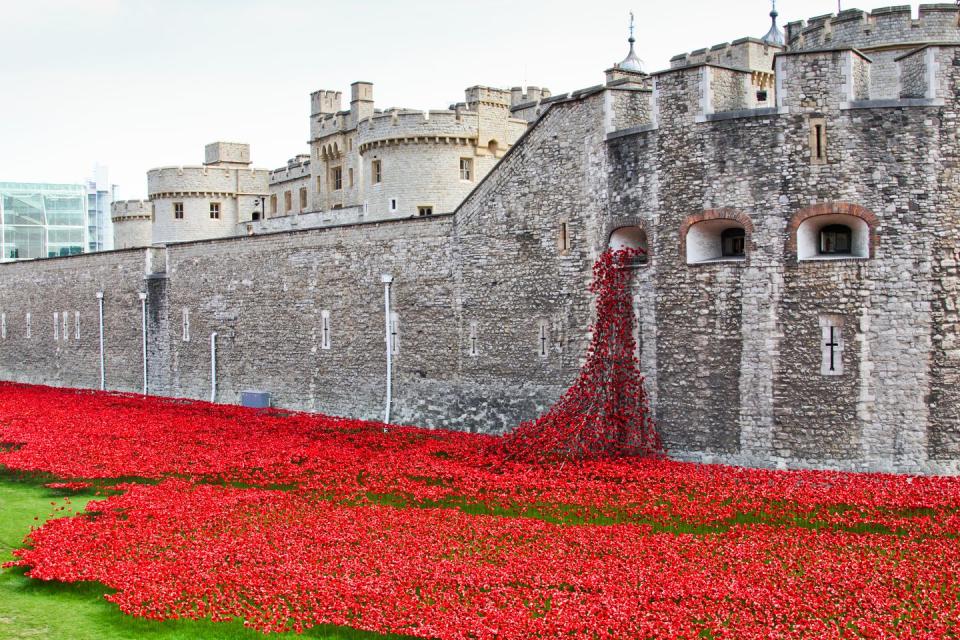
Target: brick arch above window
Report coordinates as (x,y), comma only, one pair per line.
(620,222)
(832,209)
(726,213)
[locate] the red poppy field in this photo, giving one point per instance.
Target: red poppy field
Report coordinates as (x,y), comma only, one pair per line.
(287,521)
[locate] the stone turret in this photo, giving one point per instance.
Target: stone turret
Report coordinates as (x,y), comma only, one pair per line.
(132,223)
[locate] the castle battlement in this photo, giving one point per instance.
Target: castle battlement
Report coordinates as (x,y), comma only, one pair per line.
(746,53)
(325,102)
(296,169)
(882,27)
(206,180)
(411,125)
(121,210)
(810,81)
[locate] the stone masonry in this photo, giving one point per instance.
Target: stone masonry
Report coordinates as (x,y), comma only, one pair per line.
(776,352)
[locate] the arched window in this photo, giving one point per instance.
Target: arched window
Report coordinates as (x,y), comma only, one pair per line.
(716,240)
(836,239)
(733,242)
(493,146)
(631,238)
(833,237)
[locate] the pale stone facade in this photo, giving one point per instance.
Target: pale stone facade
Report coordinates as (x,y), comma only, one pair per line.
(208,201)
(367,164)
(132,223)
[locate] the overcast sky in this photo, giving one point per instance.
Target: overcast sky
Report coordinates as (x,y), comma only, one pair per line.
(135,84)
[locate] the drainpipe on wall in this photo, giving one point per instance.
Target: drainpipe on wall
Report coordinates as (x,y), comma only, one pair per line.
(103,372)
(387,279)
(143,332)
(213,367)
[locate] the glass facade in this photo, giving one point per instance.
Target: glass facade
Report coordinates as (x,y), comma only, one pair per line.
(99,199)
(42,220)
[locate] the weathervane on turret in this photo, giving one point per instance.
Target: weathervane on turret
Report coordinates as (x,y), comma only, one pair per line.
(631,62)
(774,36)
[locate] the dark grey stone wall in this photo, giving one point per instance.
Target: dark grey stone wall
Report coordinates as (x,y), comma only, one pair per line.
(57,285)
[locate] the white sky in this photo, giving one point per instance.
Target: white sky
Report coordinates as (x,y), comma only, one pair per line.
(135,84)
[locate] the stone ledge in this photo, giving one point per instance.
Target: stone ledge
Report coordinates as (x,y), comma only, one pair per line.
(892,103)
(623,133)
(740,113)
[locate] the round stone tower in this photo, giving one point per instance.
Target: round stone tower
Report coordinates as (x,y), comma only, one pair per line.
(132,223)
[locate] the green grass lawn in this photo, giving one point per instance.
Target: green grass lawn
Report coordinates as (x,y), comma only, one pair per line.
(37,609)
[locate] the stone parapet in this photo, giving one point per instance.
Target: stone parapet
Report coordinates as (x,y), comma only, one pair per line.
(418,126)
(883,27)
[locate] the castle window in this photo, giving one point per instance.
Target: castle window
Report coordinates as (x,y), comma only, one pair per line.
(716,240)
(473,349)
(818,141)
(324,329)
(214,210)
(76,325)
(395,332)
(376,172)
(466,169)
(733,243)
(66,325)
(836,239)
(425,211)
(631,238)
(287,201)
(336,178)
(29,326)
(563,238)
(178,211)
(273,204)
(319,184)
(393,205)
(493,147)
(762,95)
(350,177)
(832,237)
(831,345)
(56,326)
(303,199)
(185,327)
(543,339)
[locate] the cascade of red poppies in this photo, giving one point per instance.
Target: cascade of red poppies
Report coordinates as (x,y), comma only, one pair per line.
(605,414)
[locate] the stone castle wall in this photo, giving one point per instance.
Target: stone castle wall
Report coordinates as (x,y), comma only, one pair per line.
(492,303)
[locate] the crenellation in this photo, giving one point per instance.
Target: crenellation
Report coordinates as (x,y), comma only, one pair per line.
(881,28)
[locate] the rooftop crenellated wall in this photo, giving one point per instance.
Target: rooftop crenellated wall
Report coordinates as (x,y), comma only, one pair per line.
(222,180)
(746,53)
(882,27)
(121,209)
(414,124)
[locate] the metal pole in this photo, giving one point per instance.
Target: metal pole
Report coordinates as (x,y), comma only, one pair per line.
(213,367)
(143,331)
(103,369)
(387,279)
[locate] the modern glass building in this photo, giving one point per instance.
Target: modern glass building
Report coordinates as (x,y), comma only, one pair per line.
(99,222)
(39,220)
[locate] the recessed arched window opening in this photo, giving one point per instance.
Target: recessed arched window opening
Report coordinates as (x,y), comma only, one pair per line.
(833,237)
(493,146)
(631,238)
(717,240)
